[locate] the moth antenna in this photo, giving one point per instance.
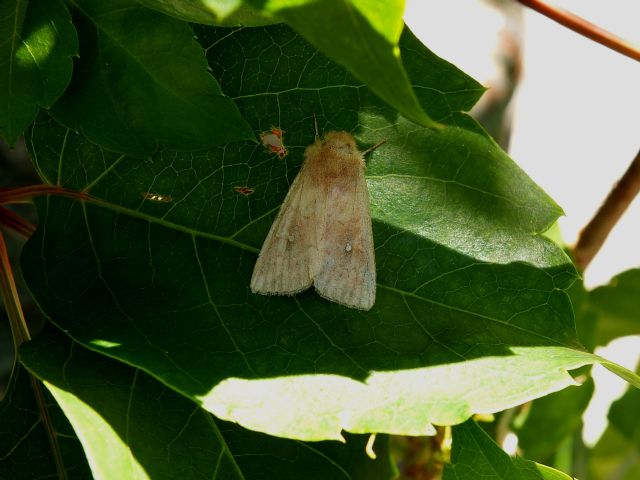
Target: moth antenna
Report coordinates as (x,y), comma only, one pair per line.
(371,149)
(315,122)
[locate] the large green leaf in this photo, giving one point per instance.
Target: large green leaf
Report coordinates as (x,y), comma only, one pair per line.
(142,81)
(617,452)
(214,12)
(25,448)
(131,426)
(615,456)
(360,35)
(616,307)
(471,314)
(623,415)
(475,455)
(551,420)
(37,41)
(262,456)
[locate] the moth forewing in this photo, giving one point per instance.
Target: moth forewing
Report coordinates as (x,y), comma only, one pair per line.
(347,274)
(322,234)
(289,254)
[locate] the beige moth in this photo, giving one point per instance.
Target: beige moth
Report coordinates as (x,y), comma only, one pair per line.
(322,235)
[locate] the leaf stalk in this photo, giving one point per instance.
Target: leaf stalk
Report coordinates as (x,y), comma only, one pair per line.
(593,236)
(585,28)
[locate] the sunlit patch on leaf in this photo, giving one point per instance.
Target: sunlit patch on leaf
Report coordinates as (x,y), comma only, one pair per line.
(156,197)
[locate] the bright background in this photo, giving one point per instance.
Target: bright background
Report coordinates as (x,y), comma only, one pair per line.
(575,125)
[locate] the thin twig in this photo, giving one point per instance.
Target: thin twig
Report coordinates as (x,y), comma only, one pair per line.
(26,194)
(10,219)
(10,298)
(47,422)
(584,27)
(20,330)
(597,230)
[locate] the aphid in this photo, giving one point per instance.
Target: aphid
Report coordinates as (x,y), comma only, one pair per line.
(246,191)
(156,197)
(274,142)
(322,235)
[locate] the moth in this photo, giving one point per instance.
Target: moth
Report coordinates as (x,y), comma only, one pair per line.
(322,235)
(274,142)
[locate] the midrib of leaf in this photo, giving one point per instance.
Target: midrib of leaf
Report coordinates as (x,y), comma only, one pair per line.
(467,312)
(215,309)
(124,314)
(174,226)
(132,462)
(297,89)
(325,457)
(479,450)
(225,449)
(522,205)
(232,31)
(61,159)
(374,59)
(96,180)
(328,339)
(230,241)
(36,164)
(433,339)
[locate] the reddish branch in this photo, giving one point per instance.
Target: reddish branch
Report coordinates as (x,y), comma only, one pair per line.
(20,331)
(584,27)
(10,219)
(597,230)
(25,194)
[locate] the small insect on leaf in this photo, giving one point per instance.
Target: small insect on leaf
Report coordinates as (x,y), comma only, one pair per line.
(322,235)
(274,142)
(246,191)
(156,197)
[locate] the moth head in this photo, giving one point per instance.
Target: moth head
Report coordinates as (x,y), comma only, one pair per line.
(341,142)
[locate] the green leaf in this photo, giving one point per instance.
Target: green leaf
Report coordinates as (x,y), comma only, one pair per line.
(364,39)
(551,420)
(214,12)
(616,307)
(548,422)
(37,41)
(142,81)
(623,415)
(474,455)
(359,35)
(614,456)
(131,426)
(262,456)
(471,314)
(25,449)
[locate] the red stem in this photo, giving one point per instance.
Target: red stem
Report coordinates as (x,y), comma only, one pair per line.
(14,221)
(584,27)
(593,236)
(25,194)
